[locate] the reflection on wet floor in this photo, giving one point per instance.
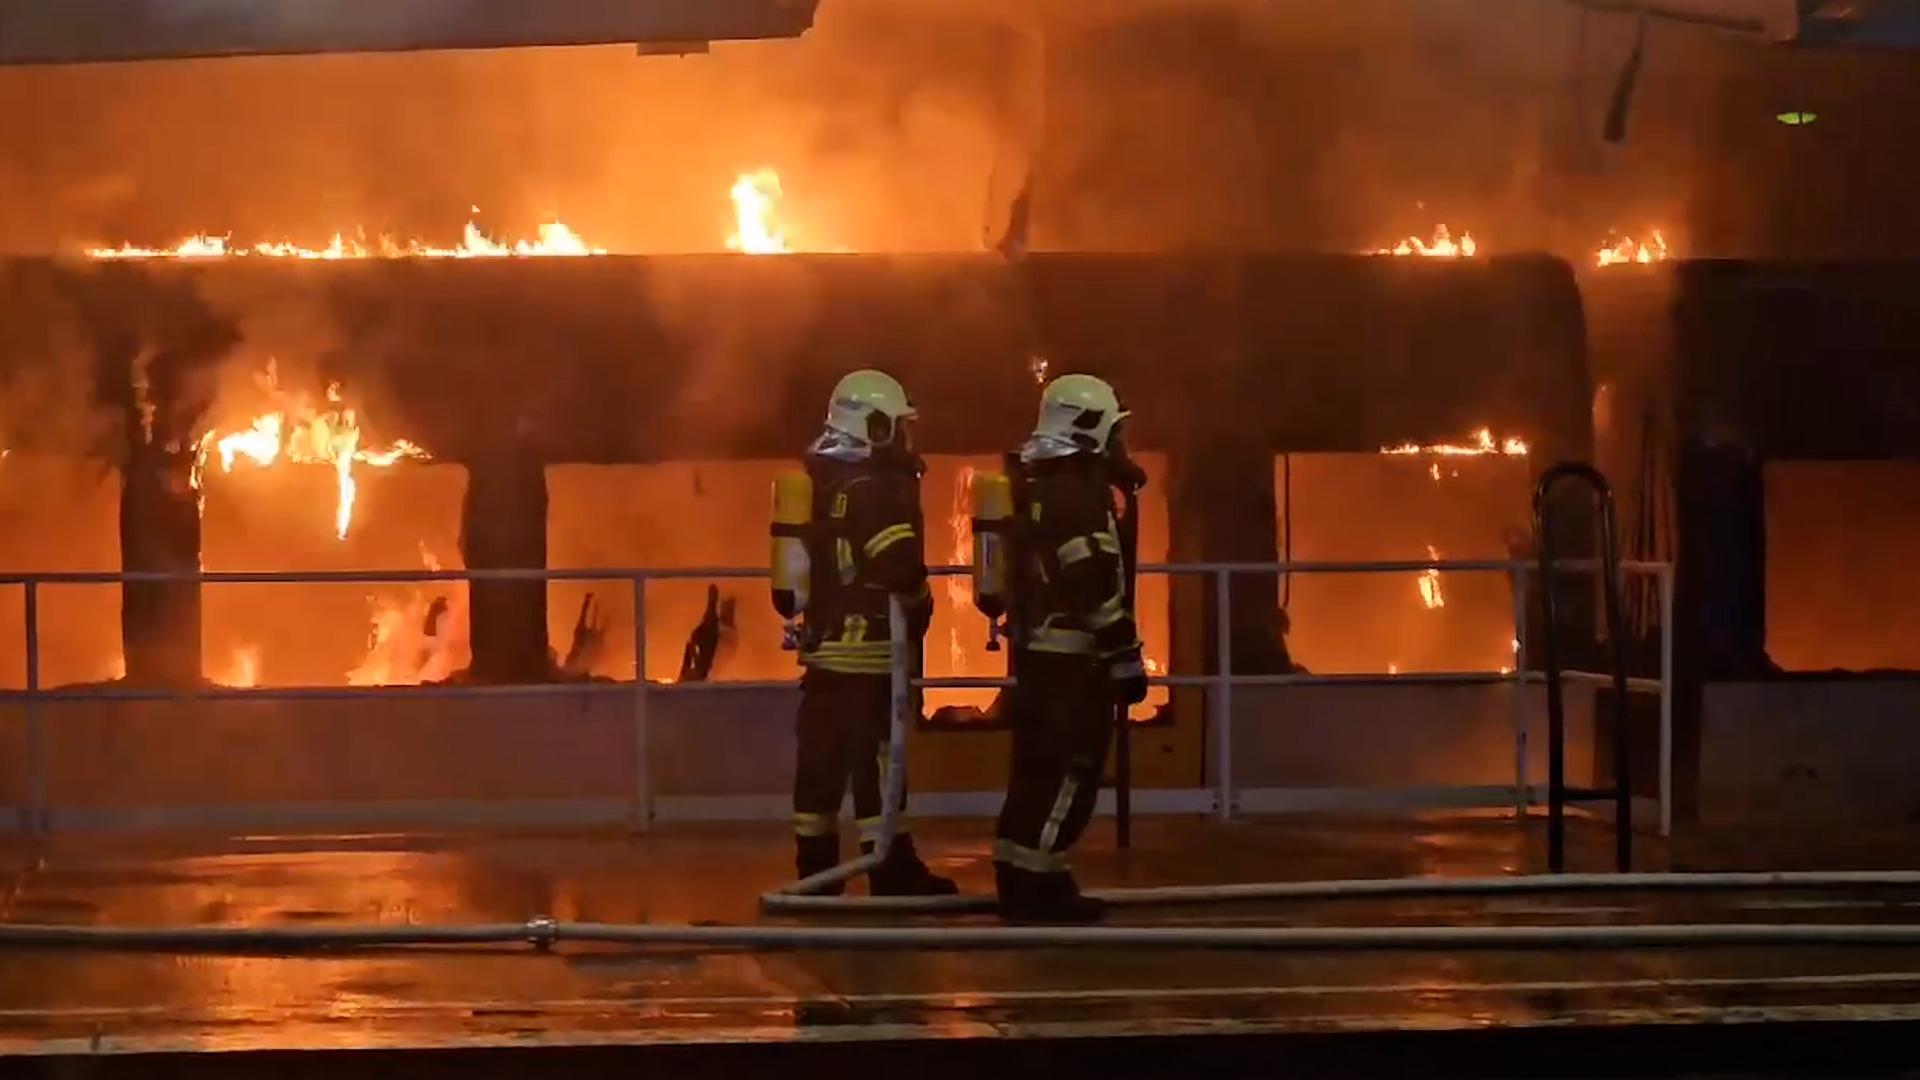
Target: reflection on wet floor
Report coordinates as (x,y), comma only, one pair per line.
(694,874)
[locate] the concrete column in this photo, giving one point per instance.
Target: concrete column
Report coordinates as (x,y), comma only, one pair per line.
(503,525)
(160,532)
(1221,505)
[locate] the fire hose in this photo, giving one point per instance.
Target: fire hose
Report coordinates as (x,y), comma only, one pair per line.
(545,933)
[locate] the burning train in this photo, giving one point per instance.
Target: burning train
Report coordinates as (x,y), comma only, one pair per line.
(237,395)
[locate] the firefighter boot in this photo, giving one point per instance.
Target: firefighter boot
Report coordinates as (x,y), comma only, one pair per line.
(902,873)
(1030,897)
(814,854)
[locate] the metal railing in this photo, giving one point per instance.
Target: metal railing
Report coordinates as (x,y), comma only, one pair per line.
(1558,793)
(1223,798)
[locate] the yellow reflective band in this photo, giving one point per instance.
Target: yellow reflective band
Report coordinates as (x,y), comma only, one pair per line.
(1053,639)
(1107,542)
(843,560)
(870,829)
(1026,858)
(833,647)
(887,537)
(1075,550)
(814,825)
(1050,832)
(846,666)
(1108,613)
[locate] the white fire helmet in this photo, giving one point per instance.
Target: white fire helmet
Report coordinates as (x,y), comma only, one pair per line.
(1079,409)
(868,406)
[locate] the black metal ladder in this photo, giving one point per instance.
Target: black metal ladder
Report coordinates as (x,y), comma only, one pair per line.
(1558,794)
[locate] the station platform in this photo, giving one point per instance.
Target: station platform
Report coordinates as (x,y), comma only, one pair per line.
(583,1010)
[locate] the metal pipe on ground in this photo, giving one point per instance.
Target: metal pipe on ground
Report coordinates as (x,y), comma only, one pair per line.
(1385,888)
(544,933)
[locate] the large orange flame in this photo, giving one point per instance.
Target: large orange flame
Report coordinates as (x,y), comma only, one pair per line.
(758,229)
(417,638)
(555,240)
(960,589)
(305,435)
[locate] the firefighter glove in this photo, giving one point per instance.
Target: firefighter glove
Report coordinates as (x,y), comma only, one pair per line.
(1129,676)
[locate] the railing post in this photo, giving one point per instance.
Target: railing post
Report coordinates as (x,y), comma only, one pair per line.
(642,813)
(1223,694)
(1557,794)
(893,784)
(1665,581)
(1522,790)
(37,823)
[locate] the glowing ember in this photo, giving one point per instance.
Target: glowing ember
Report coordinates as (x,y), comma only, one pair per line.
(418,638)
(1431,592)
(556,240)
(757,199)
(1483,443)
(243,670)
(1623,250)
(305,435)
(1442,246)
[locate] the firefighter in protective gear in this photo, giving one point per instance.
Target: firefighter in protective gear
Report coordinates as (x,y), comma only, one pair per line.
(864,544)
(1076,649)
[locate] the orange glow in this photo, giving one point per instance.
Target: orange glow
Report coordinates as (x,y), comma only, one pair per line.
(1481,443)
(758,227)
(243,670)
(1618,251)
(556,239)
(305,436)
(1442,246)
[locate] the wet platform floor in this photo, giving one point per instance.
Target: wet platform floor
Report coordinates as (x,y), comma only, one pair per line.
(592,1007)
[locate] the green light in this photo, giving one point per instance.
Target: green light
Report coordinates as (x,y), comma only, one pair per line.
(1797,119)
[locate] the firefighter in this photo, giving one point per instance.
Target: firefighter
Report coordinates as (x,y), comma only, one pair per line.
(865,543)
(1076,649)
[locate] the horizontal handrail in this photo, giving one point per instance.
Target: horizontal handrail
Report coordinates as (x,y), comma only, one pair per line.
(625,688)
(709,573)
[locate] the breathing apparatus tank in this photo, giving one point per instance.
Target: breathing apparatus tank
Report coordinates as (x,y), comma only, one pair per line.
(992,557)
(792,568)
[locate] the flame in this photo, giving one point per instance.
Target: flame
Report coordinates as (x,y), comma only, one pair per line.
(1431,592)
(1622,250)
(1482,443)
(305,435)
(243,670)
(757,198)
(417,638)
(556,239)
(959,588)
(1442,246)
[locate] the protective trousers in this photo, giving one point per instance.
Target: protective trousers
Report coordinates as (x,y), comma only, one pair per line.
(1063,708)
(844,721)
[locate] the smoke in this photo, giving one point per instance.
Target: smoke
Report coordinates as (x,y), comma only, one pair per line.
(913,125)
